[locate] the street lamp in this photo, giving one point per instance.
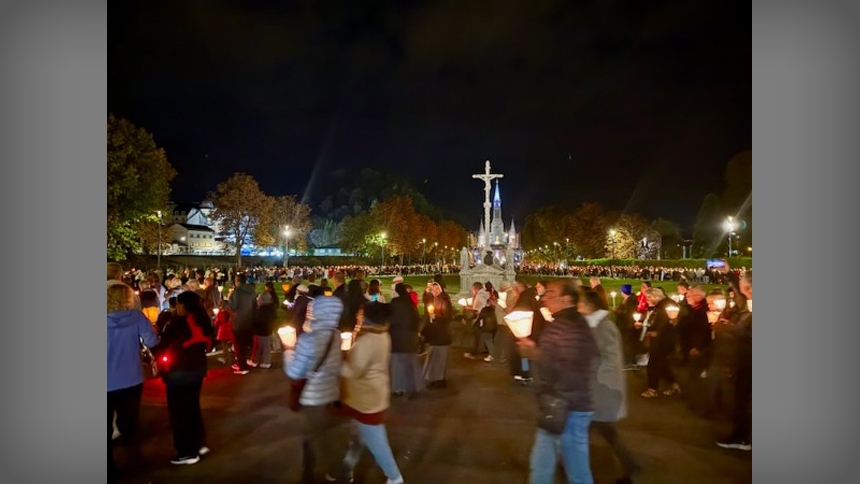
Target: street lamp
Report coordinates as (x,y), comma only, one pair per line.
(382,260)
(436,251)
(286,245)
(423,251)
(730,227)
(159,242)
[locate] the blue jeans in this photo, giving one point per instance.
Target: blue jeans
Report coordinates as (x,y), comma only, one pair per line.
(376,440)
(573,444)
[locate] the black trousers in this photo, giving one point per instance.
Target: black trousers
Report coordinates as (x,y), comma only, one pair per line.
(609,432)
(186,419)
(742,412)
(126,404)
(515,360)
(242,350)
(659,369)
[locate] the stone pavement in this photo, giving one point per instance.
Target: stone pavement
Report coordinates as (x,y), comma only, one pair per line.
(479,429)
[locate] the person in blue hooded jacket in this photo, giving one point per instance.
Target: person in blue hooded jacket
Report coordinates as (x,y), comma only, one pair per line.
(126,328)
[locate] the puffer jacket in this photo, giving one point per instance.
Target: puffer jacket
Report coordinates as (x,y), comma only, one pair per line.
(367,386)
(323,386)
(568,359)
(243,302)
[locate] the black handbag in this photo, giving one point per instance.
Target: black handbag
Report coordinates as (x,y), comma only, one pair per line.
(552,412)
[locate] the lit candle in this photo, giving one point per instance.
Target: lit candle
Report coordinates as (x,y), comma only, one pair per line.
(430,309)
(462,302)
(613,294)
(720,304)
(713,316)
(220,289)
(215,311)
(346,341)
(520,323)
(672,311)
(749,305)
(637,317)
(288,336)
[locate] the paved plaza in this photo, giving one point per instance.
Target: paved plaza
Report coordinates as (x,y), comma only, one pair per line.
(479,429)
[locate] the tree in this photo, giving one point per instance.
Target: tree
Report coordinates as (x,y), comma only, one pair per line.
(737,198)
(356,233)
(138,185)
(287,212)
(241,208)
(589,230)
(397,218)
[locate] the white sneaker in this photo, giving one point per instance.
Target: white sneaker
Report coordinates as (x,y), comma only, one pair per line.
(251,363)
(489,358)
(399,480)
(203,450)
(185,460)
(265,365)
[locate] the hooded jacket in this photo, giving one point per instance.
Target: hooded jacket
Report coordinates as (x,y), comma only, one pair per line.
(367,385)
(124,330)
(323,386)
(609,387)
(243,302)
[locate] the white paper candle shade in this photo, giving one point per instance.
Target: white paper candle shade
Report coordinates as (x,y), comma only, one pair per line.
(720,304)
(520,323)
(672,311)
(288,336)
(215,311)
(713,316)
(503,300)
(637,317)
(749,305)
(346,341)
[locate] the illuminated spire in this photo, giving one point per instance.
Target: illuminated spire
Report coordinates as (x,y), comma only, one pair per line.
(497,199)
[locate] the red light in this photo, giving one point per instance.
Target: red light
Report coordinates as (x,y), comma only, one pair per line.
(164,358)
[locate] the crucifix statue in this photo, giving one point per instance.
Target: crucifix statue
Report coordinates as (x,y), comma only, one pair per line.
(487,178)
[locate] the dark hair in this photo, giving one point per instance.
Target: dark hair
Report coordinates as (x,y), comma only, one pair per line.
(194,306)
(171,302)
(271,286)
(684,284)
(354,300)
(568,288)
(243,278)
(400,289)
(591,297)
(373,288)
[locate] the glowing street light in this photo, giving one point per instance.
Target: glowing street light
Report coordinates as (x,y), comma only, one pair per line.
(159,242)
(287,234)
(423,251)
(382,260)
(730,227)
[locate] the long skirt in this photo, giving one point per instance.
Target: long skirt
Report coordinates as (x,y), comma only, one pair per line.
(406,373)
(436,363)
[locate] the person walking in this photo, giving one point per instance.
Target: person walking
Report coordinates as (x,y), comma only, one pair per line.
(366,397)
(566,357)
(437,335)
(609,387)
(405,369)
(243,302)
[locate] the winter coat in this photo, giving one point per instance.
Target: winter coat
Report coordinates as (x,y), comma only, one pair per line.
(366,384)
(404,326)
(323,386)
(438,332)
(243,302)
(266,315)
(567,359)
(124,330)
(224,326)
(185,342)
(609,387)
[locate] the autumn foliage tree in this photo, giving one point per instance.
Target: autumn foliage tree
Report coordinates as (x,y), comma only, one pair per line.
(241,208)
(138,185)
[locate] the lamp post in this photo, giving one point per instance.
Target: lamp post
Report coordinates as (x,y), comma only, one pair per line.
(730,228)
(159,243)
(612,234)
(423,252)
(382,259)
(436,251)
(286,245)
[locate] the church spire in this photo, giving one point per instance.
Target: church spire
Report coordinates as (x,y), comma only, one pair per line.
(497,200)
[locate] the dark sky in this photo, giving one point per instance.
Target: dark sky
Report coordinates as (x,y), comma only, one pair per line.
(635,105)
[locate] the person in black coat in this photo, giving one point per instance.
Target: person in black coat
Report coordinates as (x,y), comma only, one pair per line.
(437,335)
(182,363)
(404,319)
(662,337)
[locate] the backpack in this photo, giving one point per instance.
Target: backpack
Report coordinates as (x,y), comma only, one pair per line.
(487,320)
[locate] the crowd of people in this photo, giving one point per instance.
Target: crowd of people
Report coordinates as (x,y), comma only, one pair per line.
(575,352)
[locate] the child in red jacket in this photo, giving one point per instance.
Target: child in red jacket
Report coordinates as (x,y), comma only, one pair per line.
(224,332)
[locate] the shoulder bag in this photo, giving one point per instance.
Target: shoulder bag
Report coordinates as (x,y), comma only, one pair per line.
(297,385)
(552,412)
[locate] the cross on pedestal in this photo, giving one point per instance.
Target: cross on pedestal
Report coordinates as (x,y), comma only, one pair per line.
(487,178)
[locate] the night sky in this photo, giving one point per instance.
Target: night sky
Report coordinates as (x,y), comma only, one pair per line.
(635,105)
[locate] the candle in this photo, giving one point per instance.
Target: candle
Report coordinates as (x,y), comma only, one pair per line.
(220,290)
(637,317)
(749,305)
(288,336)
(520,323)
(346,341)
(430,309)
(720,304)
(546,314)
(462,302)
(672,311)
(613,294)
(713,316)
(215,311)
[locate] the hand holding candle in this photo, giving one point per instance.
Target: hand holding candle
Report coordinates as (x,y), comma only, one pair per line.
(346,340)
(288,336)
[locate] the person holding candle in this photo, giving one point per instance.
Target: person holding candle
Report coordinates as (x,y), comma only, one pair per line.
(366,384)
(662,337)
(405,369)
(566,358)
(698,330)
(224,332)
(437,335)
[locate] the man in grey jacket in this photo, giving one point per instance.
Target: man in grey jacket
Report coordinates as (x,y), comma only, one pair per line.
(243,302)
(317,358)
